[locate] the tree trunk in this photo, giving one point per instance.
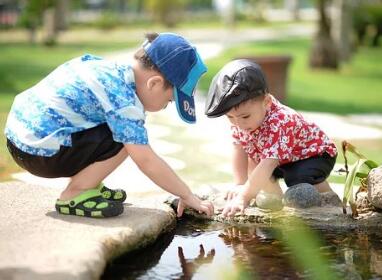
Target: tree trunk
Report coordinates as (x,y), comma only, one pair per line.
(32,35)
(227,9)
(323,53)
(342,28)
(49,27)
(293,7)
(260,10)
(61,14)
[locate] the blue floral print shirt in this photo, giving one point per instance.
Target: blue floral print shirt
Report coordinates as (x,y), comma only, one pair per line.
(80,94)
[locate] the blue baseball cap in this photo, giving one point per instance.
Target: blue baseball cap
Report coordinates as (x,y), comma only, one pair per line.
(181,65)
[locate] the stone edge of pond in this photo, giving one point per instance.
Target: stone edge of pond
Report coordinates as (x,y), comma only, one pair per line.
(38,243)
(324,217)
(331,221)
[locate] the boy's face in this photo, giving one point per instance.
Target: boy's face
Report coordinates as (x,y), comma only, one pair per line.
(249,115)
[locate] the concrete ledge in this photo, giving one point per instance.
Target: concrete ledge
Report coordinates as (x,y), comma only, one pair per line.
(38,243)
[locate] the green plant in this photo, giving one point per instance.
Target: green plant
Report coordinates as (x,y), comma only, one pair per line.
(367,23)
(165,11)
(107,21)
(304,244)
(31,15)
(359,170)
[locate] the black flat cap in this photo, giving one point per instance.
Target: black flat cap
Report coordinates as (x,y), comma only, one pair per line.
(238,81)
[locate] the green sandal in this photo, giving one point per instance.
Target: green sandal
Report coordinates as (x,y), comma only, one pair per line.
(89,204)
(113,195)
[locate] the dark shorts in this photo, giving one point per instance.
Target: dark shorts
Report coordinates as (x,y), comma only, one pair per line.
(312,170)
(88,146)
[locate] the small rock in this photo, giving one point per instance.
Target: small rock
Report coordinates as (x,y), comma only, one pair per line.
(302,196)
(330,199)
(374,187)
(173,201)
(362,203)
(268,201)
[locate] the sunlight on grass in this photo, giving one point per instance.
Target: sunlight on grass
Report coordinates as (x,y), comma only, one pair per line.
(22,65)
(200,167)
(355,88)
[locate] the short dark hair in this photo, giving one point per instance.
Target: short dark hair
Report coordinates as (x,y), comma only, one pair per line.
(249,99)
(146,61)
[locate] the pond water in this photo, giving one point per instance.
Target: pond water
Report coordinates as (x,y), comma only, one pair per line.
(198,250)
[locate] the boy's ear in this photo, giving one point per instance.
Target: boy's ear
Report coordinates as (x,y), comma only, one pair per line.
(155,81)
(267,101)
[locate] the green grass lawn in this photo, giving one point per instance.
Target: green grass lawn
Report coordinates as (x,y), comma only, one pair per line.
(355,88)
(22,65)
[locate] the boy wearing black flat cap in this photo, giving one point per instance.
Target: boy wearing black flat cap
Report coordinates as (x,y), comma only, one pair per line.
(271,140)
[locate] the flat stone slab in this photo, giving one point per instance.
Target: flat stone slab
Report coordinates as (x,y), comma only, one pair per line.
(327,217)
(38,243)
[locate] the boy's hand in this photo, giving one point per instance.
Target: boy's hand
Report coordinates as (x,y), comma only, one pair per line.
(203,206)
(237,204)
(233,192)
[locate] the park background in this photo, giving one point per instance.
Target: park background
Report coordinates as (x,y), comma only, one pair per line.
(334,77)
(333,47)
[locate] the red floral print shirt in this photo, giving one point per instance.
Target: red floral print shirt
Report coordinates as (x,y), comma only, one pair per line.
(284,135)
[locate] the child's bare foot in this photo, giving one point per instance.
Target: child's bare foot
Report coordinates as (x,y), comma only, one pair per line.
(68,194)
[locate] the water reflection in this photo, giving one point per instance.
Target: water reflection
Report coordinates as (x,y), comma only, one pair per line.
(357,254)
(197,250)
(189,267)
(136,265)
(187,253)
(259,253)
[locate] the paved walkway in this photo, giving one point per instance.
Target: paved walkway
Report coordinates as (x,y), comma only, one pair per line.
(38,243)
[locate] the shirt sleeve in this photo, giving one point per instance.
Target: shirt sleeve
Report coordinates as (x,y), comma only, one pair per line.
(126,129)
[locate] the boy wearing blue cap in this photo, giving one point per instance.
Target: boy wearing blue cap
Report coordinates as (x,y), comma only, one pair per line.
(87,116)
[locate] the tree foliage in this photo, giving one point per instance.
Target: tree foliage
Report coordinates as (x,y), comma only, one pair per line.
(32,13)
(166,11)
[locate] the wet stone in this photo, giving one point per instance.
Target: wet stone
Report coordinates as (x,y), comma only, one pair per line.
(363,204)
(302,196)
(374,187)
(268,201)
(330,199)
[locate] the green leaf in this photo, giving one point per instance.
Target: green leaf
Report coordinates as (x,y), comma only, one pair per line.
(371,164)
(361,175)
(359,170)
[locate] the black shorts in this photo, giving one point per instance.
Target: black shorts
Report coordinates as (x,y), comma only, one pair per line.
(312,170)
(88,146)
